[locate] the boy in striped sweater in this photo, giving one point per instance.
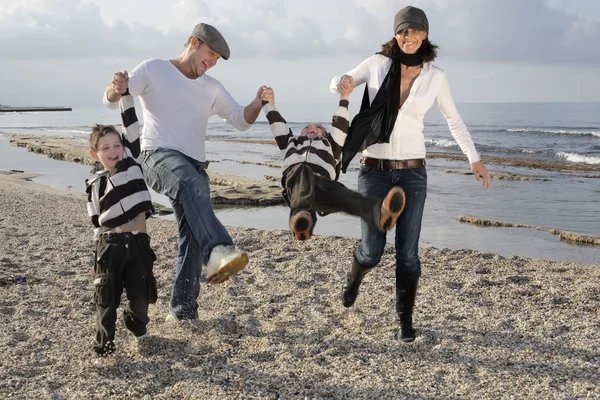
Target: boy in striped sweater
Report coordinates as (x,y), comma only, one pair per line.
(310,172)
(118,204)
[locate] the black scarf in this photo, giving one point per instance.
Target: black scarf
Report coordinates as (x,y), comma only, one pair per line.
(374,123)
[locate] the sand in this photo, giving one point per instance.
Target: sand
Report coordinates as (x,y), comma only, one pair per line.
(489,327)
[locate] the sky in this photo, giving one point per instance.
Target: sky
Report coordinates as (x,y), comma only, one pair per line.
(64,52)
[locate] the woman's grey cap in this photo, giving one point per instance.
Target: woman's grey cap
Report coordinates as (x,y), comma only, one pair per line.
(411,17)
(213,39)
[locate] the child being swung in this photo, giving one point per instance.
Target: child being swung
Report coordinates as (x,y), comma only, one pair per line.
(119,203)
(310,171)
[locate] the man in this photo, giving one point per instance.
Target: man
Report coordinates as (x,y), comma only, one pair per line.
(178,98)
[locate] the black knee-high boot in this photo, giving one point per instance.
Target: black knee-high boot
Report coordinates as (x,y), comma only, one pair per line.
(354,278)
(406,291)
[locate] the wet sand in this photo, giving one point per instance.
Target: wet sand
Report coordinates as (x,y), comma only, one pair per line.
(225,188)
(566,236)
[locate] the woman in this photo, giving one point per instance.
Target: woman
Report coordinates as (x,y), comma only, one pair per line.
(403,84)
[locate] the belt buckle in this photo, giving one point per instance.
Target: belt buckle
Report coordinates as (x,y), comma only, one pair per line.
(380,164)
(404,164)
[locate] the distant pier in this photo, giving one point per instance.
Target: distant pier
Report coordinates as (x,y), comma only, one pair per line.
(33,109)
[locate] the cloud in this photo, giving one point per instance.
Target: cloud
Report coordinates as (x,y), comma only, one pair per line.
(530,31)
(514,31)
(492,30)
(77,31)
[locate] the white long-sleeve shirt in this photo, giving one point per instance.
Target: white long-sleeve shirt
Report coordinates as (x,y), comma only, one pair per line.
(407,140)
(177,109)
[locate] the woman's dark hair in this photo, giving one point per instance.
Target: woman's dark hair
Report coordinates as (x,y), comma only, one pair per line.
(427,51)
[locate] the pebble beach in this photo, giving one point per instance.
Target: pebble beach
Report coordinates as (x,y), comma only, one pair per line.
(489,327)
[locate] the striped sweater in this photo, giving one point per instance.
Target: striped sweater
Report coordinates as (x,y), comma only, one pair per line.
(115,199)
(322,154)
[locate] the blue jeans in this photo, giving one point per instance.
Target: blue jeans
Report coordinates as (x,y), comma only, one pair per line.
(185,182)
(374,182)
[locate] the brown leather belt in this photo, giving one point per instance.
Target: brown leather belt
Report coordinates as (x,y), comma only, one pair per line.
(388,165)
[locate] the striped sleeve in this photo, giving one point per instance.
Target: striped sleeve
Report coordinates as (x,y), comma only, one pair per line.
(339,128)
(278,126)
(131,127)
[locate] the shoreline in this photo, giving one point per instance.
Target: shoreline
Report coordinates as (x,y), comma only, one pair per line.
(229,189)
(68,149)
(246,200)
(225,188)
(488,326)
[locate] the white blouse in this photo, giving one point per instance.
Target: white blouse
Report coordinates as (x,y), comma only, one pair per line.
(407,140)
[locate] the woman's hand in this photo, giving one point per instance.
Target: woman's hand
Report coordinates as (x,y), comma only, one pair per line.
(346,85)
(481,172)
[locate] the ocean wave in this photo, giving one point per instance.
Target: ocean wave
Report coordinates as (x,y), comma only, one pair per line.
(66,129)
(555,131)
(441,143)
(70,130)
(450,144)
(61,131)
(579,158)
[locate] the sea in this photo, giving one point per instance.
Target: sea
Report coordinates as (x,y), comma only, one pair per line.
(549,132)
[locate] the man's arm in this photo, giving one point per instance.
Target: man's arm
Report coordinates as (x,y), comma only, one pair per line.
(253,109)
(112,95)
(238,116)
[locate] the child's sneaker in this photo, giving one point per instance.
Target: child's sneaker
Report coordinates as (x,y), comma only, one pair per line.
(301,224)
(391,208)
(106,350)
(224,261)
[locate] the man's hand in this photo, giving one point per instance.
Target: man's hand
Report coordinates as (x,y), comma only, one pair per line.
(260,93)
(346,85)
(481,172)
(120,82)
(118,86)
(253,109)
(268,95)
